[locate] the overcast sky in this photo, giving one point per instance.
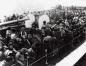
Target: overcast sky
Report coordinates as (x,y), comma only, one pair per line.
(8,7)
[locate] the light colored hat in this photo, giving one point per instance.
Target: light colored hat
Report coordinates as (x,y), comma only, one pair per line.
(13,36)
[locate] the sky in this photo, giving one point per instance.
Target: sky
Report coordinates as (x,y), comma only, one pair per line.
(8,7)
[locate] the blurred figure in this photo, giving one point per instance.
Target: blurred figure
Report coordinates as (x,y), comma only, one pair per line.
(23,33)
(44,25)
(43,28)
(1,48)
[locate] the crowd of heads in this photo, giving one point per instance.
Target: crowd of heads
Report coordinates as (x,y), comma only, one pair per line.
(34,41)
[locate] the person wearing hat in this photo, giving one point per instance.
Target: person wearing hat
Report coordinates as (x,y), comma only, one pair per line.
(43,28)
(13,41)
(23,32)
(8,35)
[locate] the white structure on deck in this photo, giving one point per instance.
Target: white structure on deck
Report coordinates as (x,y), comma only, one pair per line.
(73,57)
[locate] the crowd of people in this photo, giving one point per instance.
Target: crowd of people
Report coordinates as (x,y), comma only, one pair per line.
(13,17)
(18,44)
